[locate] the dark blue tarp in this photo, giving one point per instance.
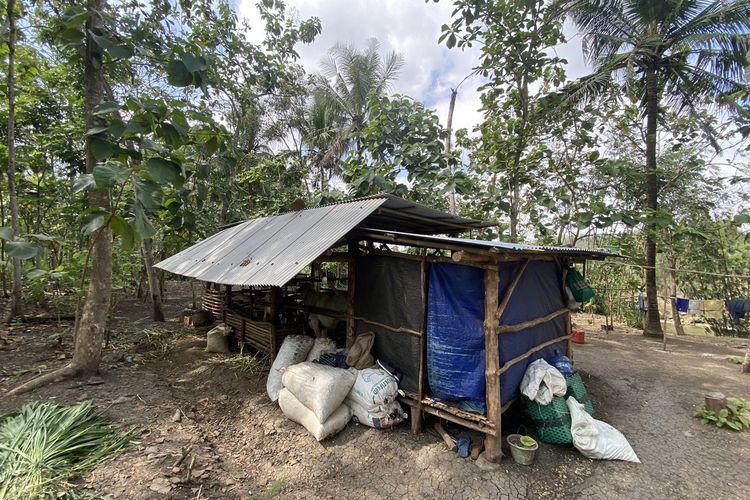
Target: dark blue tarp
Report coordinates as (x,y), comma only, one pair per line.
(455,328)
(455,334)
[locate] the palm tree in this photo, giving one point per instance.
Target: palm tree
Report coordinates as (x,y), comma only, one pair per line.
(350,75)
(679,54)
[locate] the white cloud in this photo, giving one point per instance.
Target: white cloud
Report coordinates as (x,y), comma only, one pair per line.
(409,27)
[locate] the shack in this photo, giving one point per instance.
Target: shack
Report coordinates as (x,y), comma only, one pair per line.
(459,318)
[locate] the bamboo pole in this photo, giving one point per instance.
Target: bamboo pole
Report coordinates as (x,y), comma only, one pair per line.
(511,288)
(532,322)
(493,444)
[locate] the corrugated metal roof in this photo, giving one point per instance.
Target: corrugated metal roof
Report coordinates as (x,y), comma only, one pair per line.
(512,247)
(271,250)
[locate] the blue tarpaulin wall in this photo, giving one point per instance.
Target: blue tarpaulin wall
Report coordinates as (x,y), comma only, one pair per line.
(455,328)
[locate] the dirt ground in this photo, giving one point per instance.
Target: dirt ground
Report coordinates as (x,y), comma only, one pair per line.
(239,444)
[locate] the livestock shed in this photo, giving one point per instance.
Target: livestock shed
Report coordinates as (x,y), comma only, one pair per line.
(459,318)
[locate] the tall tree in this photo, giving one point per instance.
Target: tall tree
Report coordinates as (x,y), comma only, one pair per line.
(16,298)
(672,53)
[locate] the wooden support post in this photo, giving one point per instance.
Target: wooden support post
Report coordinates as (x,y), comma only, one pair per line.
(416,411)
(569,333)
(273,306)
(350,284)
(493,444)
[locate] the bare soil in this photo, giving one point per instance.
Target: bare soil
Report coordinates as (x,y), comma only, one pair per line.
(236,443)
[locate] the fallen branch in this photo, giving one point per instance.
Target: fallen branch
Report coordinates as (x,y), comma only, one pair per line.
(68,371)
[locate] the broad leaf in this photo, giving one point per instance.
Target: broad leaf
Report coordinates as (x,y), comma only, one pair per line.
(93,223)
(106,107)
(110,174)
(141,223)
(178,74)
(102,148)
(162,170)
(124,230)
(84,182)
(21,249)
(6,233)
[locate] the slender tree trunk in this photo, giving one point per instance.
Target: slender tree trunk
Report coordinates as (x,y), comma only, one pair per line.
(16,297)
(91,327)
(448,137)
(153,281)
(674,285)
(652,327)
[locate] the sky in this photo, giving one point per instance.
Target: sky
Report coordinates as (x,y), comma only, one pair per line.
(411,28)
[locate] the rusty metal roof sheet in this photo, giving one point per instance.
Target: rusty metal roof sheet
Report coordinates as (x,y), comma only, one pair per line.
(271,250)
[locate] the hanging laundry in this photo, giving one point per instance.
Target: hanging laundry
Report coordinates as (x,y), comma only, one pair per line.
(738,308)
(682,304)
(695,307)
(713,309)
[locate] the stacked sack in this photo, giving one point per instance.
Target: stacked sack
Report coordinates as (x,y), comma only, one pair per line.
(313,395)
(372,399)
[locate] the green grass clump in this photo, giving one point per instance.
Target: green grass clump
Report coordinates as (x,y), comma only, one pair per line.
(43,446)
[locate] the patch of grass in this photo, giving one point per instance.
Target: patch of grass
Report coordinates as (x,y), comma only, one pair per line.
(273,491)
(735,359)
(43,446)
(250,364)
(152,343)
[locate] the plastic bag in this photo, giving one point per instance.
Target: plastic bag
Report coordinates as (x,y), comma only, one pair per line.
(294,350)
(320,388)
(562,363)
(296,411)
(542,382)
(596,439)
(577,285)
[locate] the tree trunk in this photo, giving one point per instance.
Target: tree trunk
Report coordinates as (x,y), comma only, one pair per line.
(449,126)
(674,285)
(652,327)
(91,327)
(153,281)
(16,297)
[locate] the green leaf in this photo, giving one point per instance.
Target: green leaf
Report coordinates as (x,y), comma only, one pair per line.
(141,223)
(124,230)
(110,174)
(41,237)
(162,170)
(92,223)
(178,74)
(84,182)
(148,193)
(194,63)
(105,108)
(97,130)
(21,249)
(114,49)
(6,233)
(35,274)
(742,219)
(101,148)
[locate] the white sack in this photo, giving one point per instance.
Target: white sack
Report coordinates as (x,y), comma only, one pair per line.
(542,382)
(320,388)
(217,339)
(321,346)
(597,439)
(379,417)
(374,387)
(296,411)
(294,350)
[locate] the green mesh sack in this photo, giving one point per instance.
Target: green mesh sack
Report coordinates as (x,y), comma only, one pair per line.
(552,421)
(578,391)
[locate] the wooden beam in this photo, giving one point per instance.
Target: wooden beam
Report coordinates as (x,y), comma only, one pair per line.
(492,444)
(465,257)
(416,421)
(510,363)
(350,284)
(511,288)
(532,322)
